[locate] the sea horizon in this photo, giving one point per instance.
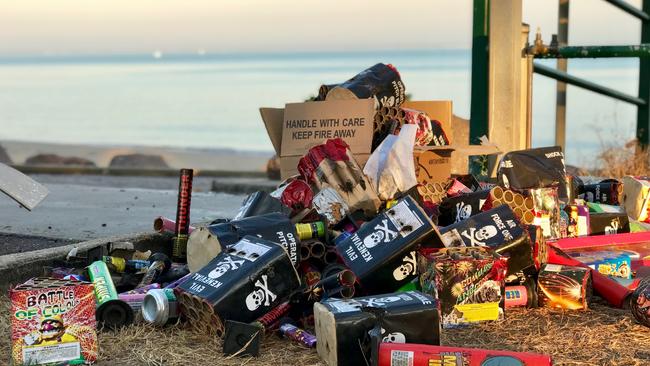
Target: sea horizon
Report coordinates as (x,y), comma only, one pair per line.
(211,100)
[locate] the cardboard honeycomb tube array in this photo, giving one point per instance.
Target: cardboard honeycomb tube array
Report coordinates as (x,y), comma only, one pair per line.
(522,206)
(433,192)
(200,315)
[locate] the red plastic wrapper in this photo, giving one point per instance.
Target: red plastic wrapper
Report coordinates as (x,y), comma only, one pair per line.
(297,195)
(391,354)
(424,135)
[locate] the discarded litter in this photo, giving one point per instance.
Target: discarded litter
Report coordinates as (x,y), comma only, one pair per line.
(370,263)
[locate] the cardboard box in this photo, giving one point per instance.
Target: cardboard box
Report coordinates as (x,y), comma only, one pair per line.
(300,126)
(433,164)
(53,321)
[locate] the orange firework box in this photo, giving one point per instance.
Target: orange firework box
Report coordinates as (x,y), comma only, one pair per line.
(53,322)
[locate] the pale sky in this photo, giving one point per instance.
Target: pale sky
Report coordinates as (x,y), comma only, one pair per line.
(36,27)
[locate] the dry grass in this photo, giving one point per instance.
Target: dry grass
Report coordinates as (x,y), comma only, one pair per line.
(617,161)
(600,336)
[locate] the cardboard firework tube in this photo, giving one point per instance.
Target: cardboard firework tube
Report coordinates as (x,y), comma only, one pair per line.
(384,110)
(528,217)
(312,230)
(317,249)
(607,288)
(133,300)
(270,319)
(305,253)
(162,224)
(640,302)
(331,256)
(392,112)
(426,355)
(111,311)
(310,274)
(142,290)
(529,203)
(182,229)
(523,295)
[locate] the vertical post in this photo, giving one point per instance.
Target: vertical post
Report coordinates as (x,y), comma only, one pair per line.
(505,97)
(478,124)
(643,112)
(560,103)
(526,88)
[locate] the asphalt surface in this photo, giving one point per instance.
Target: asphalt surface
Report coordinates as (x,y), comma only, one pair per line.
(88,207)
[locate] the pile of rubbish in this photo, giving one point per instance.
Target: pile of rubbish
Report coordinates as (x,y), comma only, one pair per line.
(367,251)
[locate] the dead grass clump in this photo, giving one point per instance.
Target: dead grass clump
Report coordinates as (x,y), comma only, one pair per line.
(618,161)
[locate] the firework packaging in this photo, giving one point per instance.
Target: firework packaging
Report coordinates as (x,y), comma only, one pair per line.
(461,207)
(636,197)
(391,354)
(382,252)
(533,168)
(299,126)
(609,263)
(523,207)
(111,311)
(390,168)
(260,203)
(53,322)
(380,82)
(469,282)
(242,283)
(547,211)
(342,327)
(275,227)
(566,287)
(422,124)
(181,231)
(162,224)
(576,219)
(524,294)
(331,165)
(298,195)
(300,336)
(606,223)
(640,302)
(608,192)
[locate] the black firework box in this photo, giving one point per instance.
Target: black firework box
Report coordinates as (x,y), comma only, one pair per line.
(469,283)
(244,282)
(458,208)
(382,253)
(498,229)
(608,191)
(275,227)
(342,327)
(565,287)
(608,223)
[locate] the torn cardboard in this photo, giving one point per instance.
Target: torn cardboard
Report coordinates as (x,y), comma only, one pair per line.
(300,126)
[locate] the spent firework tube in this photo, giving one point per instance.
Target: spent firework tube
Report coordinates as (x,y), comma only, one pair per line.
(178,281)
(121,265)
(162,224)
(607,288)
(133,300)
(301,336)
(640,302)
(160,307)
(182,228)
(142,290)
(270,319)
(425,355)
(312,230)
(111,311)
(521,296)
(160,263)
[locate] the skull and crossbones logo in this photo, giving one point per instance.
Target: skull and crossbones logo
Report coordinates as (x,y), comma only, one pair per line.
(408,267)
(261,295)
(395,337)
(463,211)
(379,302)
(224,266)
(478,237)
(381,234)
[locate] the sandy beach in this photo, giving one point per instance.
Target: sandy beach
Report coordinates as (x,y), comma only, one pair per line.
(101,155)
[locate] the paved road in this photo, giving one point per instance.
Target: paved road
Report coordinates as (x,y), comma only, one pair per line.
(81,211)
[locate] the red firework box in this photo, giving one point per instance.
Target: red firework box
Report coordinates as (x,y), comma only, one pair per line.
(469,283)
(53,322)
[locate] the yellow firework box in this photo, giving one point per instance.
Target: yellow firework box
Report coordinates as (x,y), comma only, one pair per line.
(53,322)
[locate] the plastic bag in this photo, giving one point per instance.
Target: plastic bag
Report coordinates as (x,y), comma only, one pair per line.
(390,168)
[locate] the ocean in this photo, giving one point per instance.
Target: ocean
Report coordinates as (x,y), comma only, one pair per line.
(212,101)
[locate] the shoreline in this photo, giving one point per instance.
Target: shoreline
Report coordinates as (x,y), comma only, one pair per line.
(176,157)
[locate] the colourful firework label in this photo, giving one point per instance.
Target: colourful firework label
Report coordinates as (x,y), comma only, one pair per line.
(53,322)
(565,287)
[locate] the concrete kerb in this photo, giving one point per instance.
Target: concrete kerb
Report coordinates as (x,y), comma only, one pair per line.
(17,267)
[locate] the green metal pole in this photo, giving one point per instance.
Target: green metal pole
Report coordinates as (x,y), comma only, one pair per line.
(478,125)
(478,120)
(586,84)
(643,112)
(560,89)
(626,7)
(642,50)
